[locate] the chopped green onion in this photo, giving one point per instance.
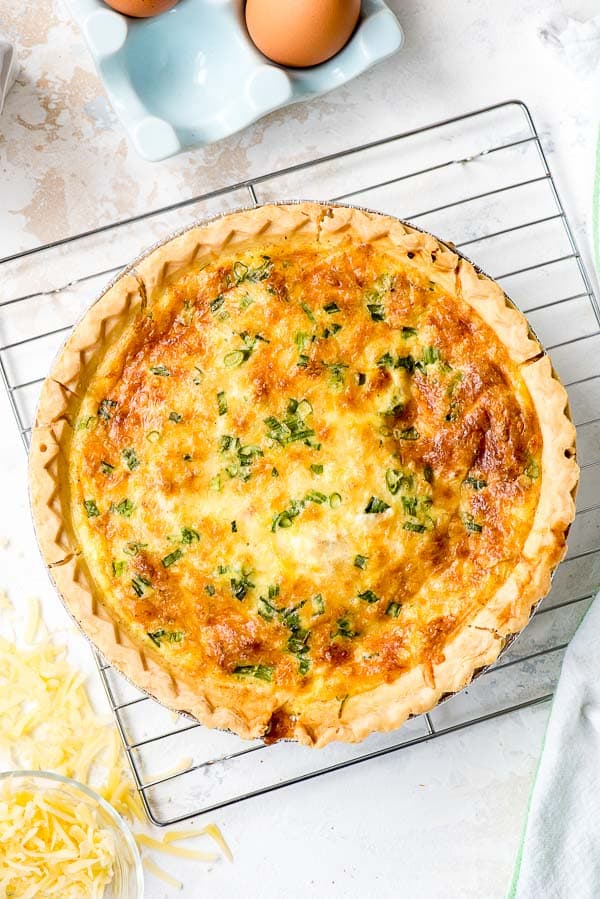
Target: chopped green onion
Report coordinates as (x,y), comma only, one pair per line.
(428,474)
(302,361)
(331,308)
(376,311)
(134,549)
(234,359)
(361,378)
(210,589)
(375,506)
(104,409)
(91,508)
(396,479)
(153,436)
(316,468)
(130,458)
(189,535)
(475,483)
(171,558)
(385,361)
(215,483)
(407,434)
(369,596)
(344,629)
(198,376)
(222,402)
(470,524)
(161,370)
(360,562)
(216,304)
(393,610)
(265,609)
(409,504)
(84,423)
(408,332)
(106,467)
(139,582)
(301,339)
(187,457)
(175,416)
(274,473)
(119,567)
(168,636)
(336,373)
(335,500)
(414,526)
(331,330)
(532,469)
(240,586)
(313,496)
(431,355)
(308,311)
(303,665)
(234,527)
(261,672)
(318,604)
(124,508)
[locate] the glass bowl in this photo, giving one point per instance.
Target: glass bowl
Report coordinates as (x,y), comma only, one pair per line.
(128,880)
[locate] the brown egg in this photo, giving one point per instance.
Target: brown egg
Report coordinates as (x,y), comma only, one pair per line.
(141,9)
(301,32)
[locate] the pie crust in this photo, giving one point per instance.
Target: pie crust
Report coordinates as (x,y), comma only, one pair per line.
(263,711)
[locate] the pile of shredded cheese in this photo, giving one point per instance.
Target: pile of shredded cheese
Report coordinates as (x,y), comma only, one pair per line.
(48,723)
(52,845)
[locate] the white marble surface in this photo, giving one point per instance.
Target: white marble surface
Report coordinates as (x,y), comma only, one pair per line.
(441,819)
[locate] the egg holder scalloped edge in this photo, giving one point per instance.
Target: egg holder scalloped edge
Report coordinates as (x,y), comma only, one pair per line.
(122,46)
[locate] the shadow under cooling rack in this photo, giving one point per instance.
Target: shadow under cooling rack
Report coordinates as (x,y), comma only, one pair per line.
(480,180)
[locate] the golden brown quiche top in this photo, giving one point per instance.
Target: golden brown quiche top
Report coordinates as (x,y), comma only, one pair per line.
(301,471)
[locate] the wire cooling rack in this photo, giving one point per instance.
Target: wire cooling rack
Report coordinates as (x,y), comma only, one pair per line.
(480,180)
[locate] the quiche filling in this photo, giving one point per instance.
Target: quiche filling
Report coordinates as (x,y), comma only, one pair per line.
(303,470)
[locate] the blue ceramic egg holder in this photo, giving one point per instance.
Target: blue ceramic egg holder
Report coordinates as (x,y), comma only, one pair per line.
(192,75)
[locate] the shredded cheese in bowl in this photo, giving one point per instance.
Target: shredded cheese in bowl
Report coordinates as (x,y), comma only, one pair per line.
(59,839)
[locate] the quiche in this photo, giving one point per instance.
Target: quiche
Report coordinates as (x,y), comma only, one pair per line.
(301,471)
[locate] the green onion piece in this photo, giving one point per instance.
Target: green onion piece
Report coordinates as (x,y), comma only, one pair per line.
(336,373)
(406,362)
(409,504)
(361,378)
(104,409)
(91,508)
(189,535)
(331,308)
(210,589)
(153,436)
(85,423)
(167,636)
(234,359)
(408,332)
(215,483)
(222,402)
(369,596)
(234,527)
(303,665)
(414,526)
(198,375)
(274,473)
(119,567)
(308,311)
(216,304)
(265,609)
(428,474)
(431,355)
(175,416)
(139,583)
(130,458)
(261,672)
(360,562)
(161,370)
(124,508)
(335,500)
(171,558)
(313,496)
(393,610)
(133,549)
(532,469)
(375,506)
(318,604)
(304,408)
(475,483)
(302,361)
(316,468)
(407,434)
(344,629)
(106,467)
(385,361)
(394,480)
(470,524)
(240,586)
(376,311)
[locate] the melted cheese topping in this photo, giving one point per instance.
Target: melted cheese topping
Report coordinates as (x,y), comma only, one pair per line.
(303,470)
